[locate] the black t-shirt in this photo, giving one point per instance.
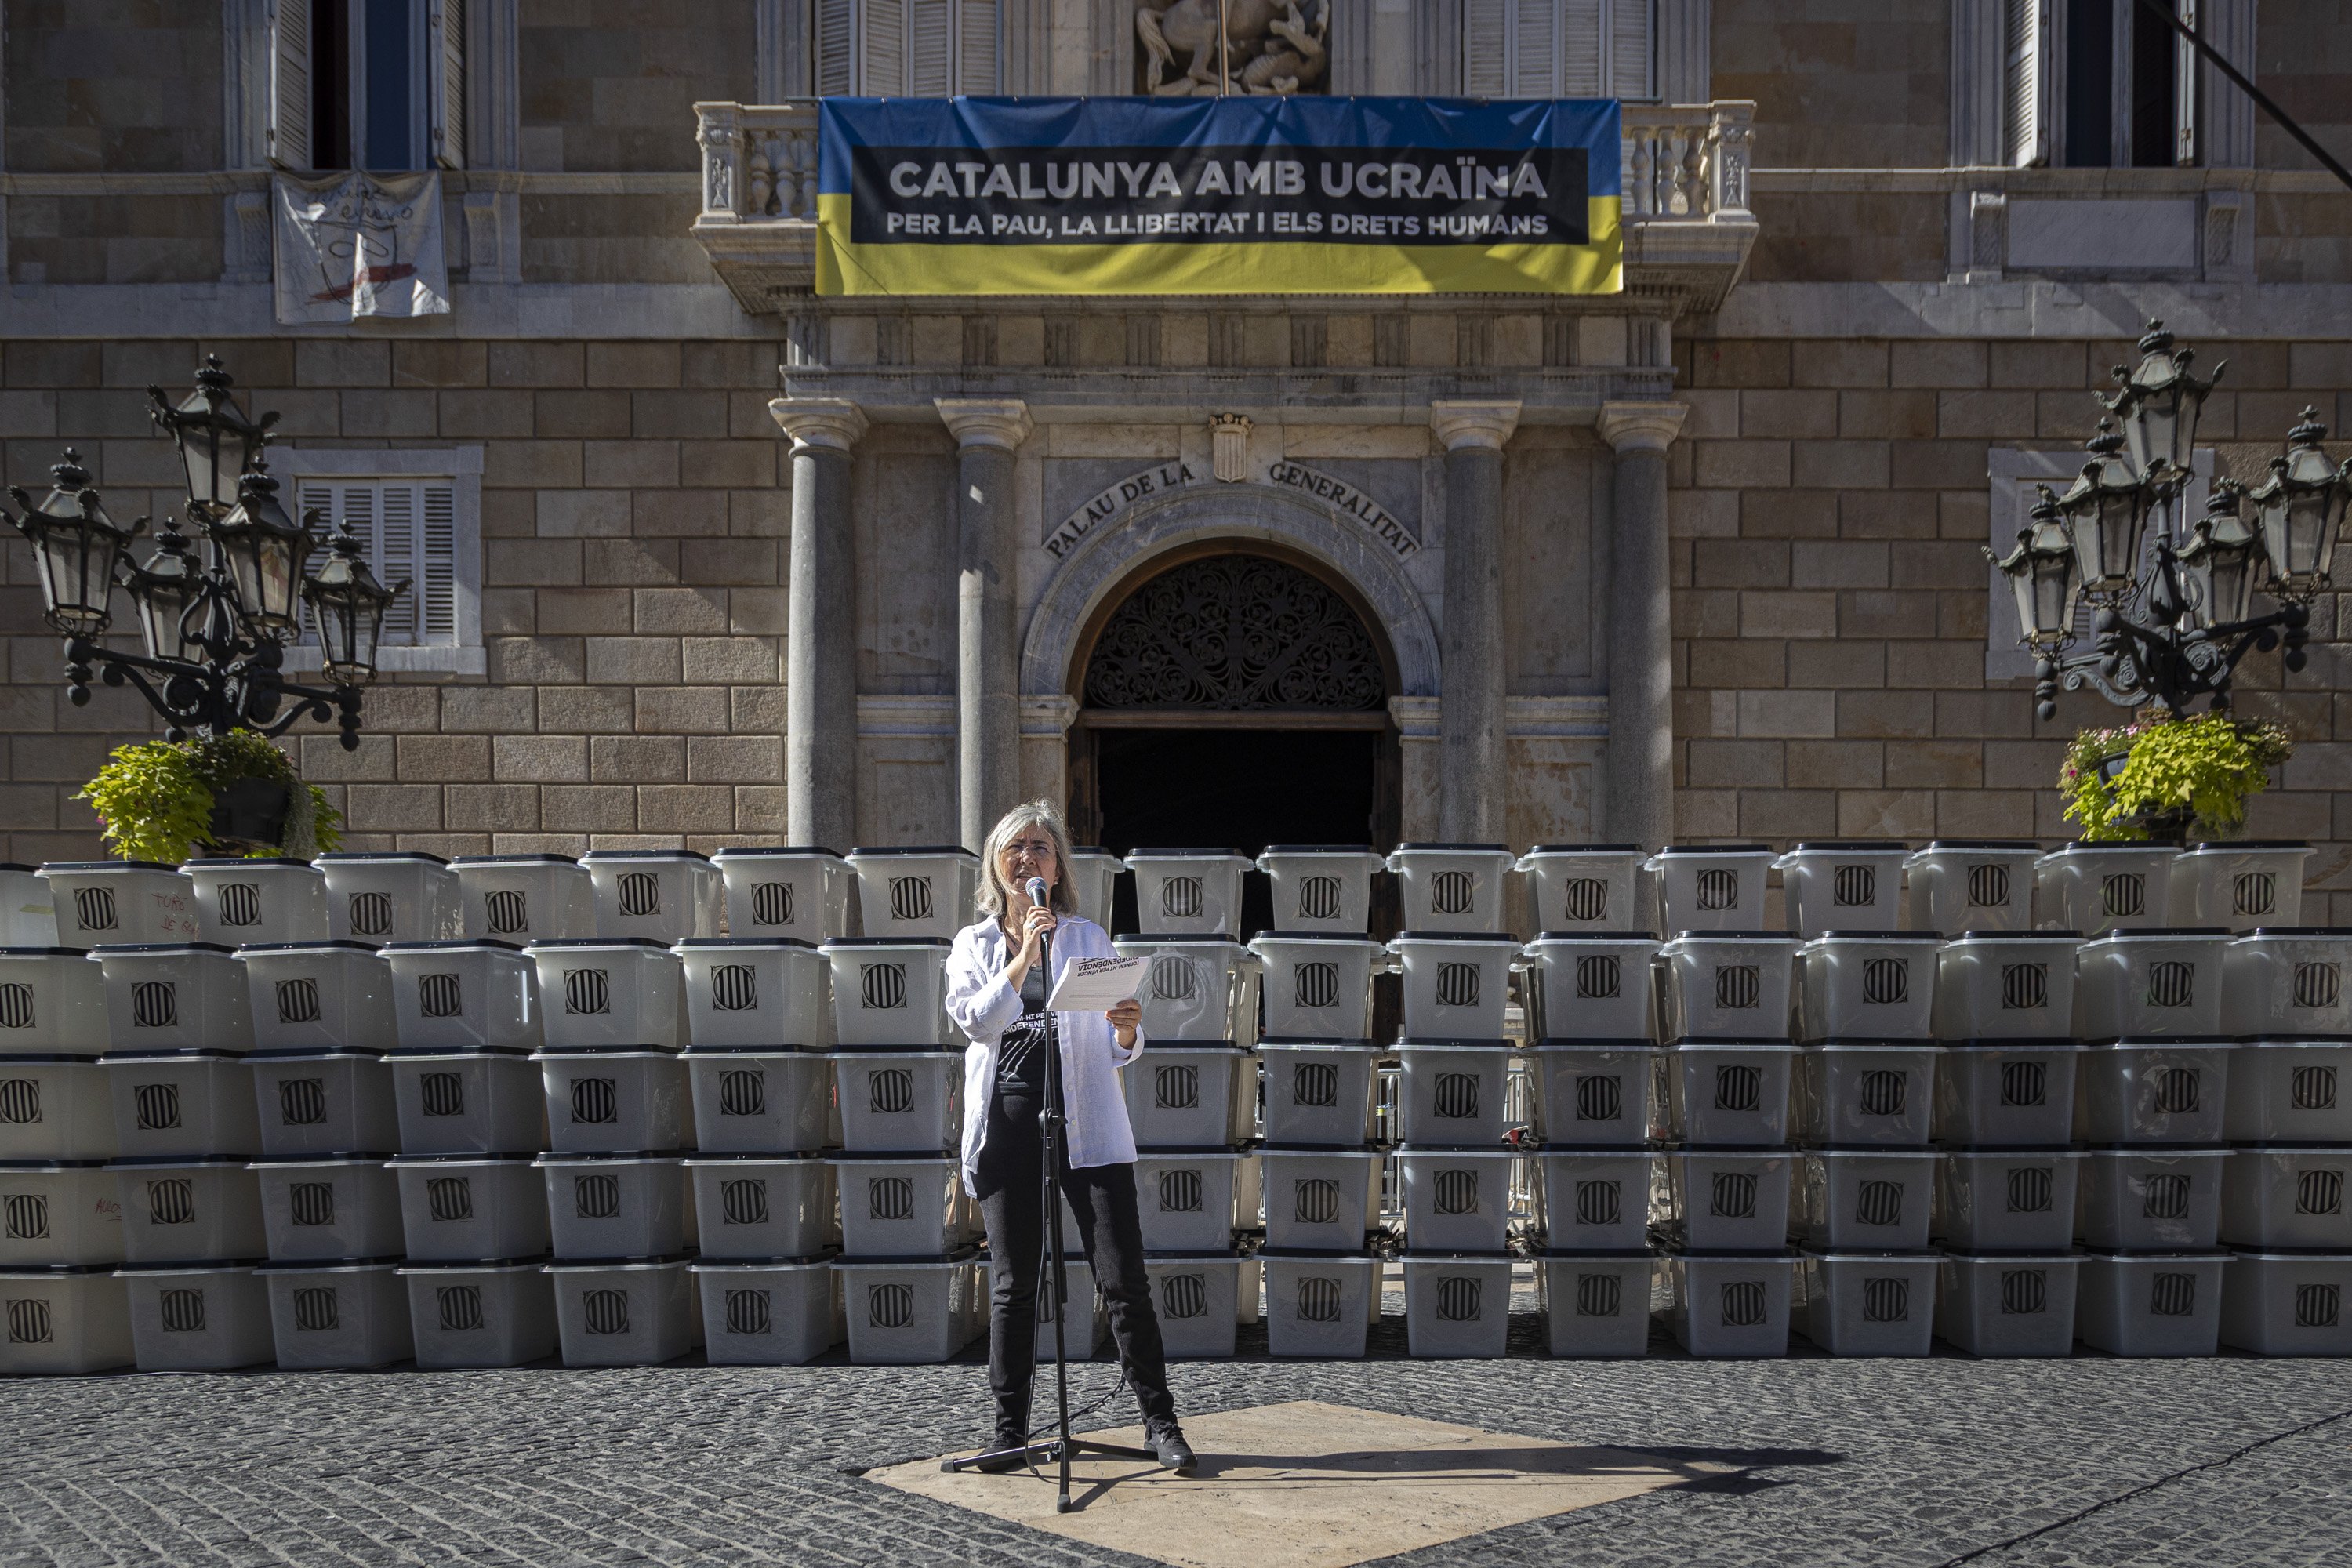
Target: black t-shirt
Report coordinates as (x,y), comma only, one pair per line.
(1021,1054)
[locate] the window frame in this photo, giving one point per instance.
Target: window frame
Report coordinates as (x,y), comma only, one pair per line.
(1605,12)
(859,27)
(462,466)
(437,108)
(2211,119)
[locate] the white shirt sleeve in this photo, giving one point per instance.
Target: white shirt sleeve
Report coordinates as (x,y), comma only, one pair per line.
(981,1003)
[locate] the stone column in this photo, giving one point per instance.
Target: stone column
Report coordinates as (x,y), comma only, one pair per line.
(1641,801)
(820,638)
(988,432)
(1471,740)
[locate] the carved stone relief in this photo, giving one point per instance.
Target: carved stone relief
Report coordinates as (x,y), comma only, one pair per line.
(1272,47)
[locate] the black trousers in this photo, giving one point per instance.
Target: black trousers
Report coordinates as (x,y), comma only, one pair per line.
(1102,1199)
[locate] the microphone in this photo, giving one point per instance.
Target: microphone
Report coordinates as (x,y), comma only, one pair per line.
(1036,891)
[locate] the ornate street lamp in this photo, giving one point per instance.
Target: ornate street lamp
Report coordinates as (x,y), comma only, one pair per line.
(2220,560)
(163,591)
(2040,572)
(75,547)
(349,603)
(2300,510)
(2159,402)
(217,443)
(264,551)
(2106,512)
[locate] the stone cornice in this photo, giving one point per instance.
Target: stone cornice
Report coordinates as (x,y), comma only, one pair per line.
(834,423)
(1641,426)
(1463,421)
(1002,422)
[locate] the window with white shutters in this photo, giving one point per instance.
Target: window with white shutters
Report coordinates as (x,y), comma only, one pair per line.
(907,48)
(1560,48)
(419,522)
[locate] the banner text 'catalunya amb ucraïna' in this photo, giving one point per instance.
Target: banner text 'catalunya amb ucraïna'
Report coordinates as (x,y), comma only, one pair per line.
(1233,195)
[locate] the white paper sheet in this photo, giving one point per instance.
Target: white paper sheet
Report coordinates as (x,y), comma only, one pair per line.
(1097,985)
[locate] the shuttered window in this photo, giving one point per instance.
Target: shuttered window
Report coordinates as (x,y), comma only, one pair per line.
(365,84)
(2025,83)
(1560,48)
(907,48)
(410,530)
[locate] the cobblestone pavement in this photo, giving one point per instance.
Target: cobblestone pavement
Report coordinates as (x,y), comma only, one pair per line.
(1945,1460)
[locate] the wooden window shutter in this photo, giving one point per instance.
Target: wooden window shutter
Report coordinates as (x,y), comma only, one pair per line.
(445,100)
(287,138)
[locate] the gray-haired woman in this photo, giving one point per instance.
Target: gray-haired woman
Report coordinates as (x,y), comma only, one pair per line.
(996,995)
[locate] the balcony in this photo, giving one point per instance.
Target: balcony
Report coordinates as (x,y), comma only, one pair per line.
(1688,228)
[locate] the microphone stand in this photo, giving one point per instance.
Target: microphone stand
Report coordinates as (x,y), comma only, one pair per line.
(1059,1448)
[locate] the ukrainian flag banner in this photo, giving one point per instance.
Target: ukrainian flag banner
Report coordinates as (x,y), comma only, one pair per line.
(1221,195)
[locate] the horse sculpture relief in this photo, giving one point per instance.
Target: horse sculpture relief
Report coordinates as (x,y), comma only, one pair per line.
(1272,47)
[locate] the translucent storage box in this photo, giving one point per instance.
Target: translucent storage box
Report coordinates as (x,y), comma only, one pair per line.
(52,1003)
(1201,1298)
(462,997)
(1453,1092)
(480,1315)
(763,1206)
(1979,885)
(615,1102)
(2005,1091)
(1728,986)
(659,895)
(456,1208)
(2008,1305)
(203,1317)
(468,1102)
(1456,984)
(1594,986)
(2287,979)
(2006,985)
(324,1210)
(2287,1091)
(98,901)
(1320,1200)
(1591,1092)
(1729,1092)
(1712,887)
(1187,892)
(1093,879)
(1838,886)
(905,1311)
(1317,988)
(1456,1200)
(902,1206)
(2165,1305)
(2162,1199)
(1864,1200)
(2241,885)
(1190,1097)
(1595,1304)
(1865,1093)
(54,1108)
(1199,990)
(1592,1200)
(899,1101)
(1317,1092)
(176,996)
(1731,1305)
(608,995)
(181,1104)
(2276,1195)
(801,893)
(746,991)
(1729,1200)
(523,898)
(1457,1305)
(188,1211)
(2152,1091)
(920,891)
(760,1102)
(1452,887)
(2008,1200)
(28,910)
(632,1312)
(2098,887)
(616,1205)
(320,995)
(316,1103)
(890,991)
(1320,1304)
(1083,1322)
(2153,981)
(1867,1303)
(2277,1303)
(339,1315)
(1582,889)
(58,1212)
(1192,1200)
(1325,888)
(389,898)
(63,1321)
(780,1313)
(1879,985)
(242,902)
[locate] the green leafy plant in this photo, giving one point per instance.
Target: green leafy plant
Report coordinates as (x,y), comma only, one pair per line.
(2178,776)
(154,800)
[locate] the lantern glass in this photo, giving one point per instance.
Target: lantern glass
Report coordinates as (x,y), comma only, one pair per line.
(2106,512)
(2299,511)
(2220,560)
(348,604)
(161,592)
(2161,402)
(2040,572)
(76,548)
(217,443)
(265,550)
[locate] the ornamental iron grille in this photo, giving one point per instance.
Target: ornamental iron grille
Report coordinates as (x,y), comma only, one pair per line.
(1233,633)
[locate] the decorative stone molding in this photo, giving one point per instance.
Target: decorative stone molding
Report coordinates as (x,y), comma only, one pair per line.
(1555,718)
(1641,426)
(835,422)
(1463,421)
(245,238)
(1047,716)
(1415,717)
(1001,422)
(886,713)
(1229,447)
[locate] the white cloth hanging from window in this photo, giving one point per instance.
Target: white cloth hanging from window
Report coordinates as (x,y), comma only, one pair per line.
(352,244)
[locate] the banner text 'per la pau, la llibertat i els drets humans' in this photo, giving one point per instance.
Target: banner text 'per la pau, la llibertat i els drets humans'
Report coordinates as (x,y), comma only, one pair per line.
(1234,196)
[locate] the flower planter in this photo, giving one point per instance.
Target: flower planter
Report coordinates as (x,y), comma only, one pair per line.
(2287,1303)
(769,1313)
(1844,887)
(243,902)
(176,996)
(615,1102)
(2291,1091)
(615,1205)
(2167,1305)
(2016,1304)
(765,991)
(763,1206)
(120,902)
(2288,980)
(1593,1200)
(320,995)
(1854,1093)
(801,894)
(59,1213)
(1729,1200)
(1731,1305)
(919,892)
(658,895)
(2241,885)
(480,1315)
(339,1315)
(1598,1091)
(460,1208)
(2152,1091)
(1592,987)
(523,899)
(181,1104)
(202,1317)
(250,814)
(2096,887)
(1867,1303)
(1320,1304)
(322,1210)
(1729,1092)
(2152,1200)
(1728,986)
(1317,1092)
(1874,986)
(890,991)
(52,1003)
(608,993)
(904,1311)
(1595,1304)
(1975,885)
(315,1102)
(1712,887)
(54,1108)
(63,1321)
(1189,892)
(1324,887)
(636,1312)
(1582,889)
(760,1102)
(1317,988)
(468,1102)
(462,997)
(188,1211)
(2008,1200)
(1864,1200)
(1457,1305)
(389,898)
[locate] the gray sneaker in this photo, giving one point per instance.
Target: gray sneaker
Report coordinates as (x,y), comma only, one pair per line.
(1169,1446)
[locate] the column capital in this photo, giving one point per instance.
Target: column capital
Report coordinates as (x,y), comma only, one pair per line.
(986,421)
(1641,426)
(1463,421)
(831,422)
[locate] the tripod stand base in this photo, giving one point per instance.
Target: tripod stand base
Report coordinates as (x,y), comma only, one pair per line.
(1050,1451)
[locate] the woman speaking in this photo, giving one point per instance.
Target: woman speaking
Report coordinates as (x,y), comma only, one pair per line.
(996,995)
